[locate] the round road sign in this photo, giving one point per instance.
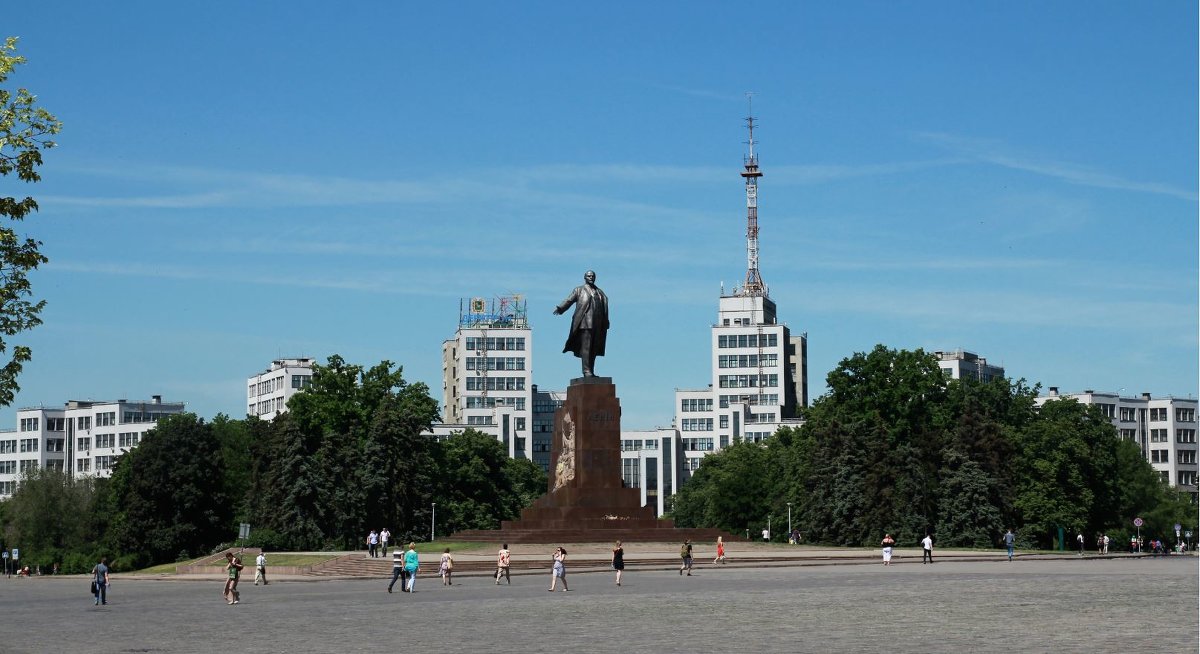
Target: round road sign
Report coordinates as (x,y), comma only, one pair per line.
(1137,522)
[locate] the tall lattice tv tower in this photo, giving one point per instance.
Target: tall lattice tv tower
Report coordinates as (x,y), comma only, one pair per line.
(754,286)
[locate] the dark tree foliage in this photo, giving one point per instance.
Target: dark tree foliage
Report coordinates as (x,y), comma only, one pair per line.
(478,483)
(170,493)
(896,447)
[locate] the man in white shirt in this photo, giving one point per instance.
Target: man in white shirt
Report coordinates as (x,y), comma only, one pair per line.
(927,550)
(260,568)
(384,537)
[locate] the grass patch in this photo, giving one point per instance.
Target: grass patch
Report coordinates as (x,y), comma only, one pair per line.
(283,558)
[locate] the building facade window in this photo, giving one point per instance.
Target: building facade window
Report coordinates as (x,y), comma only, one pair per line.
(104,462)
(747,361)
(748,381)
(495,383)
(83,423)
(8,467)
(481,344)
(1160,456)
(1185,435)
(56,424)
(698,444)
(1128,414)
(1158,415)
(1185,415)
(106,419)
(696,424)
(83,465)
(8,447)
(128,439)
(29,444)
(29,424)
(83,444)
(28,465)
(688,405)
(106,440)
(1185,456)
(55,444)
(495,363)
(1158,435)
(1186,478)
(747,340)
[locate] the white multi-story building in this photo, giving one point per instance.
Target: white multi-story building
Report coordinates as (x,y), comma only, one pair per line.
(650,463)
(1163,428)
(487,373)
(960,364)
(268,392)
(759,381)
(83,436)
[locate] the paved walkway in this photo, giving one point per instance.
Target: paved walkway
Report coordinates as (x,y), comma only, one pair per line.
(1034,605)
(595,557)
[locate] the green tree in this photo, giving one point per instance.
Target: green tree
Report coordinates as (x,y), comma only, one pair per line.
(732,490)
(49,515)
(481,485)
(1067,471)
(170,491)
(25,130)
(349,457)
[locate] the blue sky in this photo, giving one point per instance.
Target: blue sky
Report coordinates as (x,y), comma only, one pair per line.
(235,184)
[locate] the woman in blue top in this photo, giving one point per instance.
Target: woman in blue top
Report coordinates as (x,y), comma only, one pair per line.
(411,565)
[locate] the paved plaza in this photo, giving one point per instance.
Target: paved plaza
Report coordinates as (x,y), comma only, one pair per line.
(1089,605)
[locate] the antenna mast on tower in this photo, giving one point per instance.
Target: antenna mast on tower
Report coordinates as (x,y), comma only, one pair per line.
(754,286)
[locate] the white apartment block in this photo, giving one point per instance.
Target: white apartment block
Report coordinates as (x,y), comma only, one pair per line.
(487,374)
(960,364)
(759,381)
(268,392)
(83,436)
(650,463)
(1163,428)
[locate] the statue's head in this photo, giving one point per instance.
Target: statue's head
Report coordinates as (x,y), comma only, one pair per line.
(589,277)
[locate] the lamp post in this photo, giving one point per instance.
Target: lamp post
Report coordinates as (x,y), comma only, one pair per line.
(433,523)
(789,519)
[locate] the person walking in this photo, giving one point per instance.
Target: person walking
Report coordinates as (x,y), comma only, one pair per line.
(927,550)
(560,569)
(720,550)
(1105,544)
(618,561)
(411,565)
(397,569)
(233,568)
(384,537)
(1009,538)
(887,544)
(685,553)
(503,559)
(100,581)
(446,567)
(260,568)
(1079,539)
(372,542)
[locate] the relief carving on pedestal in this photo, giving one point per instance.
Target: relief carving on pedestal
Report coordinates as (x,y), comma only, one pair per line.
(564,471)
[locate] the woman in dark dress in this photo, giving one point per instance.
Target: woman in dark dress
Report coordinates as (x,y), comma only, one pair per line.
(618,561)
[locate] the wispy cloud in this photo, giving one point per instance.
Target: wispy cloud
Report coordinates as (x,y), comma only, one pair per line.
(995,152)
(213,188)
(701,93)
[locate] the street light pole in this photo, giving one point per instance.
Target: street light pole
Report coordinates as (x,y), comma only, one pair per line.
(433,523)
(789,519)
